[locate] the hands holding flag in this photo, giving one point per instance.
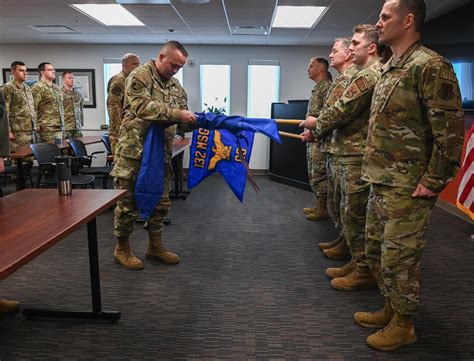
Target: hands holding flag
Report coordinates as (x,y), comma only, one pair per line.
(221,144)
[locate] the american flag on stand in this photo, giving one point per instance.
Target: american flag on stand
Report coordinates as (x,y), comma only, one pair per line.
(465,201)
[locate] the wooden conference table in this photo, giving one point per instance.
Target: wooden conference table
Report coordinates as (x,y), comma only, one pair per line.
(25,151)
(39,228)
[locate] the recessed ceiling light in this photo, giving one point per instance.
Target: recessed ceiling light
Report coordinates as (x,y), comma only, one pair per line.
(195,1)
(303,17)
(109,14)
(250,30)
(143,2)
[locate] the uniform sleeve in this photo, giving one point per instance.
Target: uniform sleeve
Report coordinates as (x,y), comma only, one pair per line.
(115,99)
(185,127)
(36,91)
(355,100)
(441,99)
(7,96)
(4,136)
(144,106)
(81,109)
(317,100)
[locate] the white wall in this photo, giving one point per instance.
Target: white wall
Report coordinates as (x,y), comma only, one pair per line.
(293,63)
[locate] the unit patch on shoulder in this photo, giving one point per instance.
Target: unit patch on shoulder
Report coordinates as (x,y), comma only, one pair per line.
(446,91)
(136,86)
(116,91)
(446,73)
(351,91)
(362,84)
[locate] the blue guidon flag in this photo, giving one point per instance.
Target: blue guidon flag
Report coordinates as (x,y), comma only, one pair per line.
(218,145)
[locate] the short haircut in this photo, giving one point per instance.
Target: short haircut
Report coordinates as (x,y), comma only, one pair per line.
(129,56)
(64,73)
(42,66)
(415,7)
(174,45)
(370,33)
(345,41)
(322,61)
(15,64)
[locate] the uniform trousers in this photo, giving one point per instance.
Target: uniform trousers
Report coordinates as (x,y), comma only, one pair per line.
(126,212)
(333,189)
(354,196)
(395,240)
(317,170)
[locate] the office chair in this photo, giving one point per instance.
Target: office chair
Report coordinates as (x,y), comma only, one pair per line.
(106,140)
(85,161)
(44,154)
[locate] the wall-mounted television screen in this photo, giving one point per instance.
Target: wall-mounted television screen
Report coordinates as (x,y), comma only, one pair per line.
(465,74)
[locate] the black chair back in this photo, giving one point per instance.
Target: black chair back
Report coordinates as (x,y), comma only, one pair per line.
(106,140)
(45,152)
(80,151)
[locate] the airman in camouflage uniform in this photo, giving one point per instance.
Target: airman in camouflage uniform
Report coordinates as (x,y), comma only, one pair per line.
(48,104)
(152,95)
(6,307)
(20,107)
(348,118)
(116,96)
(73,103)
(317,71)
(413,149)
(341,60)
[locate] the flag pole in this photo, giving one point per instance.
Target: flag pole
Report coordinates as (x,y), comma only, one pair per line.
(289,121)
(290,135)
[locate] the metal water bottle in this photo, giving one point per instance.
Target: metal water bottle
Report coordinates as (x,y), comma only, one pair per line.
(63,174)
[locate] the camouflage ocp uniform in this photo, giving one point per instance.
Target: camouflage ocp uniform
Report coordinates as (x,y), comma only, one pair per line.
(73,103)
(4,139)
(415,137)
(21,113)
(348,119)
(332,165)
(316,159)
(49,110)
(149,98)
(115,103)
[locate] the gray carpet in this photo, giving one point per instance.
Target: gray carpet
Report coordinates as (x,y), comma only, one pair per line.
(250,285)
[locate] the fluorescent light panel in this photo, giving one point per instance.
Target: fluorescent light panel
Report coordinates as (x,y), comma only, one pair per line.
(143,2)
(109,14)
(299,17)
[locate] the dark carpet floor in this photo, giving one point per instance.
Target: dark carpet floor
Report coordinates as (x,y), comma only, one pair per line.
(250,286)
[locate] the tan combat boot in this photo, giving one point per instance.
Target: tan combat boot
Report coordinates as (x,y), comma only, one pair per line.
(156,252)
(377,319)
(309,210)
(359,279)
(399,332)
(336,272)
(340,251)
(326,245)
(9,307)
(319,211)
(123,255)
